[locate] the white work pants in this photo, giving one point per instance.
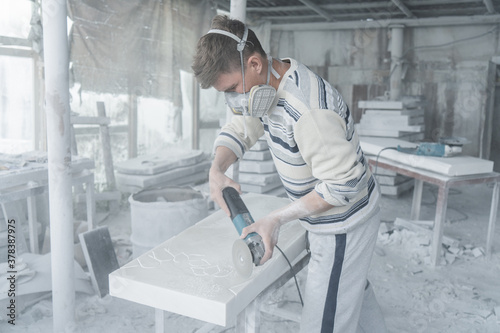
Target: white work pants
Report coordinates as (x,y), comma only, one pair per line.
(338,297)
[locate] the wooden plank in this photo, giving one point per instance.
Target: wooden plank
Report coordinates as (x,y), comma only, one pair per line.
(192,273)
(79,120)
(106,149)
(100,257)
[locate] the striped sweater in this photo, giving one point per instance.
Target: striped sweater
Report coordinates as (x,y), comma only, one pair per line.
(311,135)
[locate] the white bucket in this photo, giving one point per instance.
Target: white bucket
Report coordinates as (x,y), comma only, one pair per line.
(159,214)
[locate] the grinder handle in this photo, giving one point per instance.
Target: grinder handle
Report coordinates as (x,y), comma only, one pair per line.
(234,202)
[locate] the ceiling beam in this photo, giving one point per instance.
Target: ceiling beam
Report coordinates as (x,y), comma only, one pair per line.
(402,7)
(489,6)
(352,6)
(371,24)
(317,9)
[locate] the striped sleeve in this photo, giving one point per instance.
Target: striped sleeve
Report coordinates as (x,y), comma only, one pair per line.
(232,135)
(321,137)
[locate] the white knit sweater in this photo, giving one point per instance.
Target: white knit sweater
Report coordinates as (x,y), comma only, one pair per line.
(311,135)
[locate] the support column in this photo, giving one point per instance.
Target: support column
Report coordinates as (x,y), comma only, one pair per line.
(238,10)
(396,61)
(59,162)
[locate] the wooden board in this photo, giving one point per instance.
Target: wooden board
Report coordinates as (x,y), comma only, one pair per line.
(100,257)
(192,273)
(449,166)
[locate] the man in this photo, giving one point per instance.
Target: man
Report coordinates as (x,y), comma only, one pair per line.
(310,133)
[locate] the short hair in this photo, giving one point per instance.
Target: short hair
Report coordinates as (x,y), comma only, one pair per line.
(216,54)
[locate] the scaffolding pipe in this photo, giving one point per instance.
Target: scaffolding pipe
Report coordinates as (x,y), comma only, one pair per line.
(396,61)
(238,10)
(55,45)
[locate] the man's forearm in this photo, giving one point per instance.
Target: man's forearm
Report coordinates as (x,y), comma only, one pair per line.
(310,204)
(223,159)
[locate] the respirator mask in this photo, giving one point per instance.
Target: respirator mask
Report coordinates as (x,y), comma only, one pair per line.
(260,98)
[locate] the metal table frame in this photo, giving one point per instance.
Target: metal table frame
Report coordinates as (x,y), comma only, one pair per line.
(444,183)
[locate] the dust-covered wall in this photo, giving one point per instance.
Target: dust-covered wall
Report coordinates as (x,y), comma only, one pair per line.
(448,66)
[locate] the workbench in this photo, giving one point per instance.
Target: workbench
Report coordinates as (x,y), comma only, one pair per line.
(192,273)
(27,177)
(444,183)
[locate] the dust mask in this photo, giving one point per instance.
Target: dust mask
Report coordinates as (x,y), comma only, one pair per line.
(260,98)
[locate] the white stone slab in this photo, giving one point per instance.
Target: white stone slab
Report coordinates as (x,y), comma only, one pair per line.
(171,176)
(263,155)
(160,162)
(391,120)
(191,179)
(258,178)
(390,180)
(257,166)
(381,127)
(192,273)
(260,188)
(393,105)
(450,166)
(396,190)
(382,112)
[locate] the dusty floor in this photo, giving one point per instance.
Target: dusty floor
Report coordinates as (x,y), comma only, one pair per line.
(459,296)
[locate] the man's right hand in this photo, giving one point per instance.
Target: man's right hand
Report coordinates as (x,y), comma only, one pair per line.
(219,181)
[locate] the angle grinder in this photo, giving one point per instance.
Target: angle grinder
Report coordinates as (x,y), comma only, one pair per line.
(248,251)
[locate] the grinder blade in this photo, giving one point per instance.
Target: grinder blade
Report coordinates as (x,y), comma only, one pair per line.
(242,258)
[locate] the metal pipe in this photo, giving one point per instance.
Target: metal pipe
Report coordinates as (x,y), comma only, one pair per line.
(59,162)
(238,10)
(489,6)
(402,7)
(396,61)
(317,9)
(373,24)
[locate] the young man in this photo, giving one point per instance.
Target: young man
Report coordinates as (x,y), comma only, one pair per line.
(310,133)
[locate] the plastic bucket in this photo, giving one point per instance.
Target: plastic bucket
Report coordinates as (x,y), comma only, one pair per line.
(159,214)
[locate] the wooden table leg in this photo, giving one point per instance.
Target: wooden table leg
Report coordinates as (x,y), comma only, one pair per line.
(91,214)
(441,205)
(493,218)
(417,199)
(33,226)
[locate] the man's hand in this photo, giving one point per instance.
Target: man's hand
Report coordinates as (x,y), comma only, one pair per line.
(268,228)
(218,181)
